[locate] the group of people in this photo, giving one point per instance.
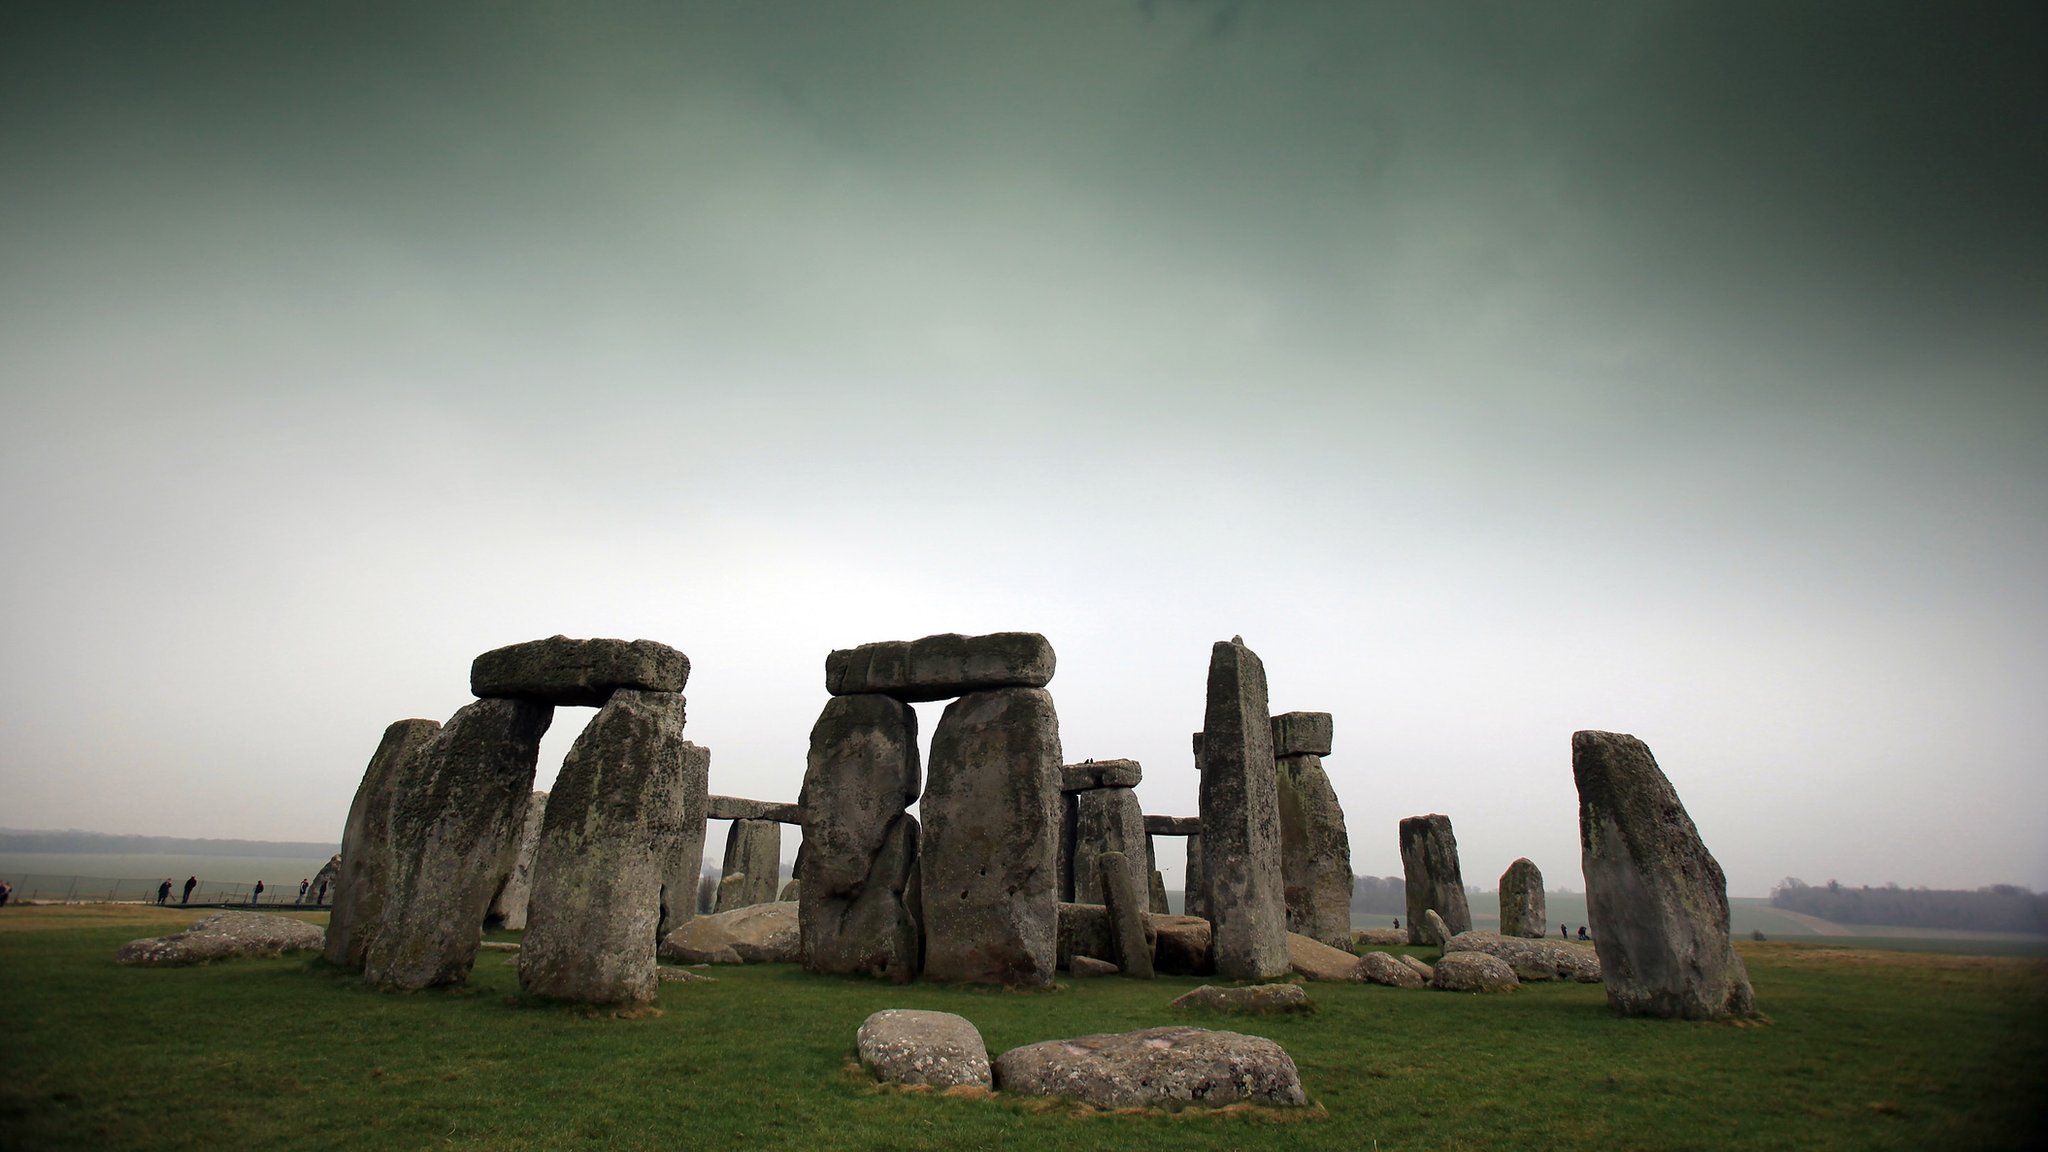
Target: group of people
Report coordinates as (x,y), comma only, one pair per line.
(1563,930)
(163,890)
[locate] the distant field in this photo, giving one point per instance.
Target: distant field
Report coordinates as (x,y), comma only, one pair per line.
(30,872)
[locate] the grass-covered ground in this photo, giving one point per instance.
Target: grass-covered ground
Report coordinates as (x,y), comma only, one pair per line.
(1863,1050)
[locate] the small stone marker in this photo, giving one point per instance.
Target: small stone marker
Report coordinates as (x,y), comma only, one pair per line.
(909,1046)
(1171,1068)
(559,670)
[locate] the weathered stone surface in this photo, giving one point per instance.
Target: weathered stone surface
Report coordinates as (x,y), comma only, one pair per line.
(1251,1000)
(1435,928)
(464,799)
(753,849)
(1418,967)
(323,880)
(731,894)
(1521,901)
(497,946)
(1081,930)
(1318,961)
(1106,820)
(1169,1067)
(1173,825)
(741,808)
(1655,895)
(1127,936)
(1181,946)
(1195,897)
(682,870)
(1100,774)
(1473,972)
(1383,968)
(668,973)
(559,670)
(792,892)
(1378,936)
(1155,895)
(990,868)
(756,934)
(1429,857)
(611,823)
(1301,734)
(941,667)
(224,936)
(363,881)
(907,1046)
(508,907)
(1246,900)
(860,846)
(1315,850)
(1090,966)
(1533,959)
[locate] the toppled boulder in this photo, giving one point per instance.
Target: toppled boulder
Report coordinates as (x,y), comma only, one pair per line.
(1383,968)
(1473,972)
(1250,1000)
(1533,959)
(1171,1067)
(1438,930)
(1100,774)
(224,936)
(583,673)
(755,934)
(941,667)
(1418,967)
(1380,936)
(907,1046)
(1090,966)
(1318,961)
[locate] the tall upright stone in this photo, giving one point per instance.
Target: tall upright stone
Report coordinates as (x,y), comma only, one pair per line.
(1429,857)
(1656,897)
(1194,897)
(1521,901)
(1315,849)
(682,872)
(1126,916)
(990,867)
(1247,904)
(611,823)
(1107,820)
(860,845)
(465,798)
(508,907)
(753,848)
(363,880)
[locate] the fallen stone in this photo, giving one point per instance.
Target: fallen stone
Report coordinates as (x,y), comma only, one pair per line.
(1127,918)
(1090,966)
(611,823)
(682,869)
(1533,960)
(755,934)
(508,907)
(989,865)
(1301,734)
(1364,936)
(1318,961)
(740,808)
(1315,850)
(1171,1068)
(860,845)
(1521,901)
(1417,966)
(464,800)
(1473,972)
(1181,946)
(1657,896)
(941,667)
(1100,774)
(1246,902)
(667,973)
(753,850)
(1429,858)
(584,673)
(223,936)
(908,1046)
(363,881)
(1383,968)
(1250,1000)
(1437,929)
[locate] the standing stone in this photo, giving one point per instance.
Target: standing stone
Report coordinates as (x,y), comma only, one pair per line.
(325,876)
(1521,901)
(1194,897)
(1315,850)
(464,799)
(990,868)
(732,893)
(611,823)
(508,907)
(1247,905)
(363,881)
(682,872)
(1656,897)
(1126,916)
(1429,857)
(1106,820)
(859,842)
(940,667)
(753,848)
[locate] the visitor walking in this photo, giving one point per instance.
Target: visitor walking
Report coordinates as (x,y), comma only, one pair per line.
(191,882)
(320,893)
(303,885)
(1582,933)
(256,897)
(163,891)
(1564,930)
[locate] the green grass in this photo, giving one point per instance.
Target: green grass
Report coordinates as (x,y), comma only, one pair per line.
(1864,1050)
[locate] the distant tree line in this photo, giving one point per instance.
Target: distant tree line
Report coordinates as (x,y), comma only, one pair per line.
(1998,908)
(1379,895)
(73,840)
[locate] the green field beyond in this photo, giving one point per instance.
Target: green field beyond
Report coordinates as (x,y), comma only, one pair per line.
(1862,1050)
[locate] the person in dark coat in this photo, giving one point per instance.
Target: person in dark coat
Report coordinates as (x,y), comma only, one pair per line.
(191,882)
(163,891)
(303,885)
(256,897)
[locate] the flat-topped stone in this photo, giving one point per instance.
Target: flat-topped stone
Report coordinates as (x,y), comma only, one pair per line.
(741,808)
(224,936)
(941,667)
(1173,825)
(1301,734)
(559,670)
(912,1046)
(1473,972)
(1170,1067)
(1100,774)
(1532,959)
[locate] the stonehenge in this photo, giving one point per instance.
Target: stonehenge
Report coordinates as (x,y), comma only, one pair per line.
(1521,901)
(1315,849)
(508,907)
(1101,815)
(854,899)
(562,671)
(1656,896)
(941,667)
(1127,934)
(682,869)
(366,847)
(1429,858)
(1246,903)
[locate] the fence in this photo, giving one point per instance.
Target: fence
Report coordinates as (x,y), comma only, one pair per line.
(125,890)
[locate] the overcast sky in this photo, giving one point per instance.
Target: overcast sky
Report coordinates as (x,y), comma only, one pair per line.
(1496,372)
